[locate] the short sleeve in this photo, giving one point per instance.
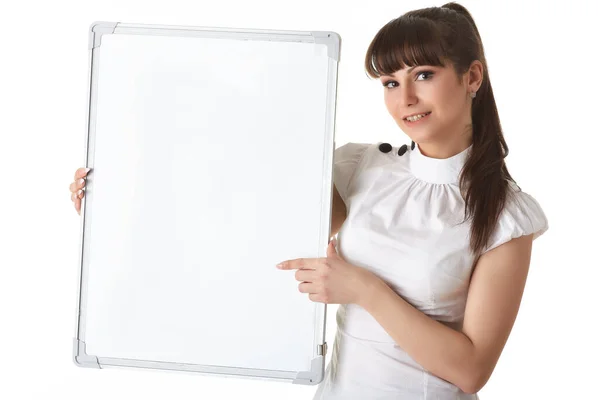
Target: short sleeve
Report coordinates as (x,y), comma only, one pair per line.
(521,216)
(345,162)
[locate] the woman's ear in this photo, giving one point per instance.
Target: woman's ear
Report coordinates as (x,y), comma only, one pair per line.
(475,76)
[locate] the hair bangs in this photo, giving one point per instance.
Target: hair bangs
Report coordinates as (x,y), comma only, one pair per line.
(405,41)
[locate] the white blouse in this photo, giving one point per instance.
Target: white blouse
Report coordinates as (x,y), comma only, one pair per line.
(403,224)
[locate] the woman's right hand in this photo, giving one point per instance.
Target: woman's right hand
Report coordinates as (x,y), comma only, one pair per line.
(77,188)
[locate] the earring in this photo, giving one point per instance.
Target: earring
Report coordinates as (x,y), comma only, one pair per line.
(473,94)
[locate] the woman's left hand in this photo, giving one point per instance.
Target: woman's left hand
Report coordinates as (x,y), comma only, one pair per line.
(330,280)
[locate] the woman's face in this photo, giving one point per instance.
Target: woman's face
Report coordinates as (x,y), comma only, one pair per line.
(434,90)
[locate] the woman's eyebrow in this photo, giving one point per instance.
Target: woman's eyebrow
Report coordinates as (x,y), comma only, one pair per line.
(408,71)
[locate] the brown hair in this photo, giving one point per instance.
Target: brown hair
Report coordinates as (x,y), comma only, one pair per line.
(432,36)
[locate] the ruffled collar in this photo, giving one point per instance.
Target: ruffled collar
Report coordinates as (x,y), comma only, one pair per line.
(437,170)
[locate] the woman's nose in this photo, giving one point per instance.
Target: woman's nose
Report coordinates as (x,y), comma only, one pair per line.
(406,97)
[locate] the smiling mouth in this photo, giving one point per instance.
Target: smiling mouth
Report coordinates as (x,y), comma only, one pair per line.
(416,120)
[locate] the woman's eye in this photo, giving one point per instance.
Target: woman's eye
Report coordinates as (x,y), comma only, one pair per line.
(425,72)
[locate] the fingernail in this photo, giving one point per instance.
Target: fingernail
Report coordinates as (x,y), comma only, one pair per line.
(81,181)
(79,192)
(279,265)
(87,170)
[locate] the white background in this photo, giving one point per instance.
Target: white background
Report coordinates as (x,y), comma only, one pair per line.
(540,58)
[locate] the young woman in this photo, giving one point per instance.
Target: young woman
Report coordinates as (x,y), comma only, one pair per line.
(434,238)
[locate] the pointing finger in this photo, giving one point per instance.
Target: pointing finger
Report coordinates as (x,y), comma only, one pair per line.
(299,263)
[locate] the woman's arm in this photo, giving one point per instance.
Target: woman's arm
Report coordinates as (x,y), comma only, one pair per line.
(465,358)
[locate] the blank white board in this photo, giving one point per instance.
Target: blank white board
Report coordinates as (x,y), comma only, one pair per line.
(211,152)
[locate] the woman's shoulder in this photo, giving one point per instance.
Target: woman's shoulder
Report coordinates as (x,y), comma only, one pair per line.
(355,151)
(350,150)
(522,215)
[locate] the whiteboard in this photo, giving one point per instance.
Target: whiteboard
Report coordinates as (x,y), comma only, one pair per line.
(211,152)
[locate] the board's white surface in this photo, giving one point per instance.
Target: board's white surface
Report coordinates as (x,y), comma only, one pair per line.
(208,168)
